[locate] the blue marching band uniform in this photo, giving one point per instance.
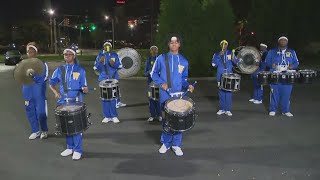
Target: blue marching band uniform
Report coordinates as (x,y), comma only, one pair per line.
(257,88)
(106,70)
(73,76)
(68,77)
(154,106)
(178,69)
(281,60)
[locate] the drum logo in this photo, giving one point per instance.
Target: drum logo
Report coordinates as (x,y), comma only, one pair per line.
(26,103)
(229,57)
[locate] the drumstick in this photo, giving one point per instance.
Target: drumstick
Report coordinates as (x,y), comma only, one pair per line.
(185,93)
(89,89)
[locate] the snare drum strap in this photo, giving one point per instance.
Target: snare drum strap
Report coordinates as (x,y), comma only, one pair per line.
(168,72)
(64,80)
(106,68)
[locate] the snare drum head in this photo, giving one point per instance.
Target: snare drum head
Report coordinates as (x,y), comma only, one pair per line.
(179,105)
(70,107)
(109,83)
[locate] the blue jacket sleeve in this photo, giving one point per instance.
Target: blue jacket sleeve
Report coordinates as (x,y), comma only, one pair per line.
(147,68)
(214,61)
(185,83)
(39,78)
(117,63)
(97,65)
(295,60)
(269,59)
(155,73)
(83,80)
(54,80)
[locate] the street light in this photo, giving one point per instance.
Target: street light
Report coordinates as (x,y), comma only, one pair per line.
(112,22)
(51,12)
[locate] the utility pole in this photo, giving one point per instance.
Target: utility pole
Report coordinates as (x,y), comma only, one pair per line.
(55,36)
(51,35)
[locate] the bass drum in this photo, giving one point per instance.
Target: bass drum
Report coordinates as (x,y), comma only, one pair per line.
(249,58)
(131,62)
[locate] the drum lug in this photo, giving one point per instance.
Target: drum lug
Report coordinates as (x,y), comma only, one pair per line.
(89,122)
(57,133)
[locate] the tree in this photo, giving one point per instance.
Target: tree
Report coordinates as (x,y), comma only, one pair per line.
(201,24)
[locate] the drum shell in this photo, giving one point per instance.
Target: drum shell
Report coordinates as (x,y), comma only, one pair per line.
(179,121)
(109,89)
(72,122)
(154,92)
(274,78)
(306,76)
(230,83)
(263,78)
(288,78)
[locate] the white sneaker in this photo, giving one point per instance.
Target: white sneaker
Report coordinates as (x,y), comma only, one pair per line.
(257,102)
(120,104)
(115,120)
(177,150)
(163,149)
(228,113)
(44,135)
(252,100)
(272,113)
(160,119)
(106,120)
(66,152)
(34,135)
(150,119)
(289,114)
(220,112)
(76,156)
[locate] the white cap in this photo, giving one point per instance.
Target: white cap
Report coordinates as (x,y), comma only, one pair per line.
(282,37)
(263,45)
(107,43)
(71,50)
(173,38)
(153,47)
(32,46)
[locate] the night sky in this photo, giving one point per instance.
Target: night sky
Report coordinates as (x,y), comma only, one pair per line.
(16,10)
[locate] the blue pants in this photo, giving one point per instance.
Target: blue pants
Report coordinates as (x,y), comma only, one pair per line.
(154,108)
(109,109)
(225,100)
(74,142)
(280,93)
(257,89)
(172,138)
(36,112)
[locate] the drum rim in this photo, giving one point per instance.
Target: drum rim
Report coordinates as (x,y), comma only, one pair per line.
(83,106)
(114,83)
(179,113)
(193,124)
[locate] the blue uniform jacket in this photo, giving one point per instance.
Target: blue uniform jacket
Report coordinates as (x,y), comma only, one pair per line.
(275,56)
(112,69)
(217,62)
(75,77)
(148,67)
(38,89)
(178,72)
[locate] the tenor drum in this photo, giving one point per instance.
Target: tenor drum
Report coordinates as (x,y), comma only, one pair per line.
(179,114)
(263,77)
(72,118)
(306,76)
(154,91)
(109,89)
(230,82)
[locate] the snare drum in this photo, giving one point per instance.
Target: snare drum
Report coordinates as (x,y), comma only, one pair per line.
(109,89)
(179,115)
(230,82)
(263,77)
(306,76)
(153,92)
(288,77)
(72,118)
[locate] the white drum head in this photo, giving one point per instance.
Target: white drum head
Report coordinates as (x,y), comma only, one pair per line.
(179,105)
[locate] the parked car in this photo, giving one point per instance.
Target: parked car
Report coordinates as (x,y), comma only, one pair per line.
(12,57)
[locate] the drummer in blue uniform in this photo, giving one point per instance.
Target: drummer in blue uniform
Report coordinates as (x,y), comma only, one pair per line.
(257,88)
(106,66)
(281,59)
(35,98)
(70,76)
(223,61)
(170,85)
(154,105)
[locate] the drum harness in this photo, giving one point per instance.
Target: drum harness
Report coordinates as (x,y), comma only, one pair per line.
(66,81)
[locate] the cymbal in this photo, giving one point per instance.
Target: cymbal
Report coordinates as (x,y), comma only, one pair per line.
(20,72)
